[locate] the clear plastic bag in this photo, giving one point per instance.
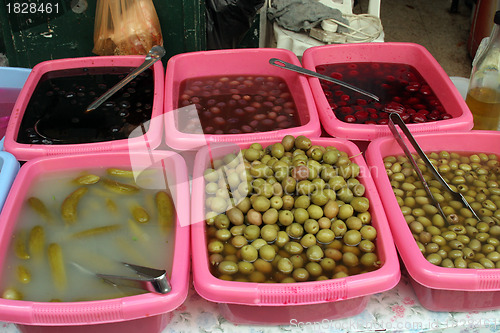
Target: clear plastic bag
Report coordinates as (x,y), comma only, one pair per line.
(125,27)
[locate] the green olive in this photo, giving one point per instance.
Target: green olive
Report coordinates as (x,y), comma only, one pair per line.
(288,142)
(302,142)
(345,211)
(267,252)
(285,265)
(315,253)
(325,236)
(228,267)
(249,253)
(352,237)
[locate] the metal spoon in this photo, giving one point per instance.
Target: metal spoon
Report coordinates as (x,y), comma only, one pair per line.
(155,54)
(285,65)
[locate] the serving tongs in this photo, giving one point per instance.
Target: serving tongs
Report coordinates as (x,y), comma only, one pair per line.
(286,65)
(395,119)
(155,54)
(148,279)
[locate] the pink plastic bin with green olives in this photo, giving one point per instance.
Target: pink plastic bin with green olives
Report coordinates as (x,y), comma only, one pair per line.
(146,311)
(437,288)
(380,53)
(278,303)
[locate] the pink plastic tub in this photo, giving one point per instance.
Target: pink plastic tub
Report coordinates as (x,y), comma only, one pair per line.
(145,312)
(437,288)
(399,53)
(136,141)
(234,62)
(279,303)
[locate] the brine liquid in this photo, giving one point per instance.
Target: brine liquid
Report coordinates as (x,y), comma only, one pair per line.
(56,112)
(484,103)
(144,244)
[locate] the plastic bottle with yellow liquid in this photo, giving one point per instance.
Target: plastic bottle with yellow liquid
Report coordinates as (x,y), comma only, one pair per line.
(483,96)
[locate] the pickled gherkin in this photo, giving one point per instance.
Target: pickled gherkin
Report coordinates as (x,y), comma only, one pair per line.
(120,188)
(56,262)
(39,207)
(97,231)
(20,246)
(87,179)
(140,214)
(23,274)
(120,173)
(36,242)
(70,204)
(166,210)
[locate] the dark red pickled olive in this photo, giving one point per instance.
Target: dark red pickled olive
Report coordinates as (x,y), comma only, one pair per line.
(384,115)
(417,118)
(353,73)
(361,115)
(394,107)
(345,97)
(321,69)
(337,75)
(350,119)
(406,117)
(247,129)
(346,110)
(423,112)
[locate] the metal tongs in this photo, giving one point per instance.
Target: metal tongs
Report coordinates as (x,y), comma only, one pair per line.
(394,119)
(149,279)
(155,54)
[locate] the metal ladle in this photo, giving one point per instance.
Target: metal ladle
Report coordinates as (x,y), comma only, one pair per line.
(285,65)
(155,54)
(395,119)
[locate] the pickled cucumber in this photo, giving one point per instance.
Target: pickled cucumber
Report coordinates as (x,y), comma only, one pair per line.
(96,231)
(39,207)
(87,179)
(56,263)
(111,206)
(69,205)
(20,246)
(140,214)
(36,242)
(23,274)
(13,294)
(120,173)
(120,188)
(166,210)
